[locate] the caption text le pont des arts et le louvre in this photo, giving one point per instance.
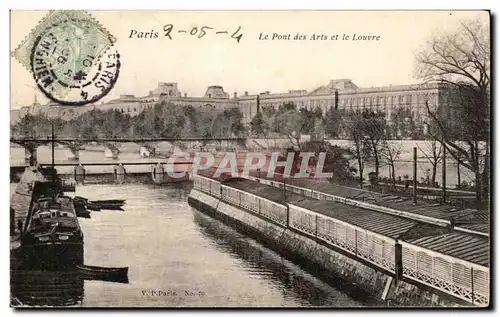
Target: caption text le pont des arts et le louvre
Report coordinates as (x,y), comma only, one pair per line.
(318,37)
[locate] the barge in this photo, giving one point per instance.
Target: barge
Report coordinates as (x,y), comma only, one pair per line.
(52,237)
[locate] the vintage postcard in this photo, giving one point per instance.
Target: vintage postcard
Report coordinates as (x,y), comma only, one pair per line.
(250,159)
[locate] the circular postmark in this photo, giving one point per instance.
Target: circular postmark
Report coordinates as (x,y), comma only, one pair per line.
(72,64)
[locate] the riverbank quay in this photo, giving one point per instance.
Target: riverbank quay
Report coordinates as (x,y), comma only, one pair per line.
(399,260)
(20,203)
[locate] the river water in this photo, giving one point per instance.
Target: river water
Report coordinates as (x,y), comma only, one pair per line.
(177,257)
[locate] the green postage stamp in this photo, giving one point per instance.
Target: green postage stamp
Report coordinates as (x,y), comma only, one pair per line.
(71,57)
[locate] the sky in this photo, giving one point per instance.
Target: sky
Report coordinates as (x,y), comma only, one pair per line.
(252,64)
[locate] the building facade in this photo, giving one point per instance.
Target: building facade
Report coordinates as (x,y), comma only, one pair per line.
(342,93)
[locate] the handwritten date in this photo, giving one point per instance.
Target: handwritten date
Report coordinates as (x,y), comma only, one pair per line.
(169,32)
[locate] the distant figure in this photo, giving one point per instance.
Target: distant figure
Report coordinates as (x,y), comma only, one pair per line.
(407,182)
(428,176)
(20,226)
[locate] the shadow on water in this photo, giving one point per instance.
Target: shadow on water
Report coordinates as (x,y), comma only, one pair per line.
(52,287)
(264,262)
(35,288)
(46,288)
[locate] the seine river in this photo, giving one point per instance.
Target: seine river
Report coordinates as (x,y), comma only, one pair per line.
(176,256)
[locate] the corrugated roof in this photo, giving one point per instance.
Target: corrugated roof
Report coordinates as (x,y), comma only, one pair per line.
(464,246)
(394,202)
(378,222)
(269,192)
(468,247)
(436,211)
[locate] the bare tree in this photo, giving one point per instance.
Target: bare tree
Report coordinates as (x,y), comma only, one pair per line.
(360,145)
(290,126)
(319,129)
(373,127)
(433,152)
(390,153)
(292,123)
(460,60)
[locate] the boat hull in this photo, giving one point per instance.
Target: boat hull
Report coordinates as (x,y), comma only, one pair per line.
(53,255)
(119,275)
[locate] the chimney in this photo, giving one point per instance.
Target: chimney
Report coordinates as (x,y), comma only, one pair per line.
(246,93)
(235,95)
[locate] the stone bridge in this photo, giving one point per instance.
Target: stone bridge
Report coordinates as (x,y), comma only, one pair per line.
(148,146)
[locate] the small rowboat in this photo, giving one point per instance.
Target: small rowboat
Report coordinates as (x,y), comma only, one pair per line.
(110,201)
(110,274)
(108,207)
(93,207)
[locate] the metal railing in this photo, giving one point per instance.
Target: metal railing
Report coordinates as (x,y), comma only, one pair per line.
(456,277)
(459,278)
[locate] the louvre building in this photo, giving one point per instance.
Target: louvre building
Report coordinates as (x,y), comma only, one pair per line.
(343,94)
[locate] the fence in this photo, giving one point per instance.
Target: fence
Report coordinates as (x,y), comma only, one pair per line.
(370,246)
(264,207)
(459,278)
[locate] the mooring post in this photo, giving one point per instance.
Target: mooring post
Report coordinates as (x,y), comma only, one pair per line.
(444,174)
(398,259)
(12,221)
(415,175)
(284,187)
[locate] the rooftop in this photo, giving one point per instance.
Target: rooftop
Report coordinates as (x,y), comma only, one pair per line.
(469,219)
